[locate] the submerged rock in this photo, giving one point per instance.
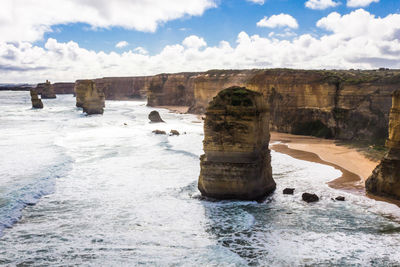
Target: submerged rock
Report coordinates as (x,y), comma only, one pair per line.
(46,90)
(36,101)
(158,132)
(340,198)
(237,161)
(89,97)
(154,116)
(173,132)
(385,179)
(288,191)
(307,197)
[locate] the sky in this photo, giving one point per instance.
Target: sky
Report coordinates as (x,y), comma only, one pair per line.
(66,40)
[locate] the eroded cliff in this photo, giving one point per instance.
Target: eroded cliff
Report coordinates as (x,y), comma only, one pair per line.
(90,97)
(339,104)
(46,90)
(237,162)
(385,179)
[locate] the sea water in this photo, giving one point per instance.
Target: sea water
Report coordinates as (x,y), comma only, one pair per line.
(104,190)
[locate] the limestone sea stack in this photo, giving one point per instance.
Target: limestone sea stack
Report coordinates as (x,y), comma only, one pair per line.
(385,179)
(36,101)
(89,97)
(237,161)
(46,90)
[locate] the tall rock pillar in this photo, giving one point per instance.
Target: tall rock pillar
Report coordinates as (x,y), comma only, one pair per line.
(385,179)
(36,101)
(89,97)
(237,161)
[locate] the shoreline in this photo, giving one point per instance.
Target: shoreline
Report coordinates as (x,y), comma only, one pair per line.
(354,166)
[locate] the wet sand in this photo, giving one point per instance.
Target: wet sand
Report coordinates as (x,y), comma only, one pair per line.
(354,166)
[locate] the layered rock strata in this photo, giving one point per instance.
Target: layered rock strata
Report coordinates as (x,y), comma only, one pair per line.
(89,97)
(36,101)
(46,90)
(236,163)
(385,179)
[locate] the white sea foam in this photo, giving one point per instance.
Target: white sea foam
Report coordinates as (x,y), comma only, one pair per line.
(121,195)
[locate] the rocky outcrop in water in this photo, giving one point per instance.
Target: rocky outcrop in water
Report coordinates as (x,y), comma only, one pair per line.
(155,117)
(89,97)
(46,90)
(309,197)
(36,101)
(236,163)
(385,179)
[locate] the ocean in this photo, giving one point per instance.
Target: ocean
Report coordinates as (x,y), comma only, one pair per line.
(104,190)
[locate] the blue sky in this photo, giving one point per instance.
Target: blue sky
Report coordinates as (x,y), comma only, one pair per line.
(72,39)
(221,23)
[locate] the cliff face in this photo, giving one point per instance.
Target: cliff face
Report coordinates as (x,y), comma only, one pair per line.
(236,163)
(385,179)
(63,88)
(339,104)
(123,88)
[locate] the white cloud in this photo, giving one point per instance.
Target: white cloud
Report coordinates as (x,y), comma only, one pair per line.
(378,37)
(141,50)
(28,20)
(360,3)
(281,20)
(321,4)
(121,44)
(194,41)
(260,2)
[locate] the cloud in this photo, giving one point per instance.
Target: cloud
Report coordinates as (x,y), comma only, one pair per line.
(260,2)
(140,50)
(194,41)
(321,4)
(28,20)
(360,3)
(121,44)
(339,48)
(281,20)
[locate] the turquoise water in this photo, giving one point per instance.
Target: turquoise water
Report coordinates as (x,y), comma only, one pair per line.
(111,194)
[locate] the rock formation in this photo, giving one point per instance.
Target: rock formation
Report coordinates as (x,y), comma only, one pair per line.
(36,101)
(46,90)
(308,197)
(89,97)
(236,163)
(385,179)
(63,88)
(155,117)
(158,132)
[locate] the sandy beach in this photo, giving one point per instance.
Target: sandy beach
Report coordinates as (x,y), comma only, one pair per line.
(355,167)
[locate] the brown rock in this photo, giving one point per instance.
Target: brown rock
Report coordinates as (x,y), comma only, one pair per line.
(173,132)
(236,163)
(385,179)
(155,117)
(90,98)
(288,191)
(158,132)
(307,197)
(340,198)
(36,101)
(46,90)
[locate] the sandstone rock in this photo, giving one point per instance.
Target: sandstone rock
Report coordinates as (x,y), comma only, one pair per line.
(307,197)
(340,198)
(236,163)
(385,179)
(90,98)
(159,132)
(46,90)
(173,132)
(36,101)
(155,117)
(288,191)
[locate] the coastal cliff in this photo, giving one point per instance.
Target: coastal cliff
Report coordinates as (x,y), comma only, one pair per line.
(385,179)
(350,105)
(46,90)
(237,161)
